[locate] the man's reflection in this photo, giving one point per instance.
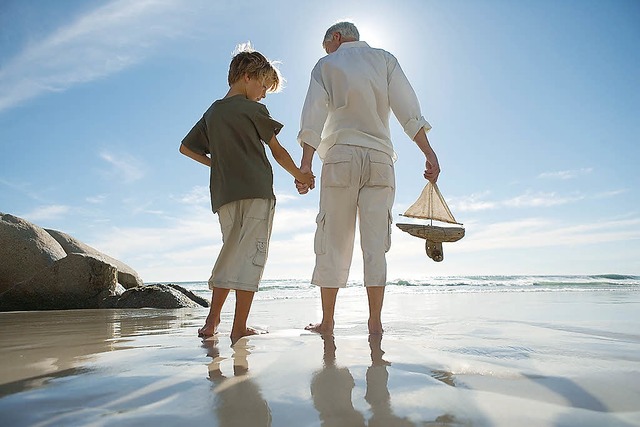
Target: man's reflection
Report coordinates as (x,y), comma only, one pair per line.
(238,401)
(331,390)
(377,394)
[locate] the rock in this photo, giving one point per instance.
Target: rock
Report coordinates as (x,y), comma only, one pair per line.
(199,300)
(154,296)
(127,276)
(25,249)
(73,282)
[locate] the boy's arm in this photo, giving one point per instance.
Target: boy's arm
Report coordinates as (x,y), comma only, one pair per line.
(284,159)
(200,158)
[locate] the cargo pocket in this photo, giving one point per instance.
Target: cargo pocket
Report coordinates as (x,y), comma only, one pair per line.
(387,245)
(260,258)
(226,222)
(319,240)
(381,170)
(336,170)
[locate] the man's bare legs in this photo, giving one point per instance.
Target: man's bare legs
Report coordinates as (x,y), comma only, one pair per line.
(243,305)
(376,298)
(328,296)
(210,328)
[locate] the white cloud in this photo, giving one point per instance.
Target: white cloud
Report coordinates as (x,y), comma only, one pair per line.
(284,198)
(567,174)
(540,200)
(124,166)
(473,203)
(186,248)
(541,232)
(480,202)
(98,199)
(102,42)
(46,213)
(198,195)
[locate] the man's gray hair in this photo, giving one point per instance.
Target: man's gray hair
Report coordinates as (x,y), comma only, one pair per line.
(347,29)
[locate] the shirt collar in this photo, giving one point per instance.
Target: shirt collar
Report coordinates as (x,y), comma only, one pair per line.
(348,45)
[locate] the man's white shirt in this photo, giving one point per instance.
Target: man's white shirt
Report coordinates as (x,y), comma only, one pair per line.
(349,99)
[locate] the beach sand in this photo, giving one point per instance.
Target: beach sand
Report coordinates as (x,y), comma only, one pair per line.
(449,359)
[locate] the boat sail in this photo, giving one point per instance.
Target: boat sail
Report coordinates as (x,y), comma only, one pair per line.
(432,206)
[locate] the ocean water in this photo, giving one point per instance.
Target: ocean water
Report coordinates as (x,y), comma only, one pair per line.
(276,289)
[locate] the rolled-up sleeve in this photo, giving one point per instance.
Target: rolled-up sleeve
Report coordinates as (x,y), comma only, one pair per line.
(314,113)
(404,102)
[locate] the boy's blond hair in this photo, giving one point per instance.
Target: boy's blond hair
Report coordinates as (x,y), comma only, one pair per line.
(247,60)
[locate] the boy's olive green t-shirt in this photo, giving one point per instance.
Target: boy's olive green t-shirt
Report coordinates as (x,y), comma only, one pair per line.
(233,131)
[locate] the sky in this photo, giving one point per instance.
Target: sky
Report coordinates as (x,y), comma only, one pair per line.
(535,108)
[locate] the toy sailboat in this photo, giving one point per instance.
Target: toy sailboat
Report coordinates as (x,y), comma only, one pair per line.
(431,205)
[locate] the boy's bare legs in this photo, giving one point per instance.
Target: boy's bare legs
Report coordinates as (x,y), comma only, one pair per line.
(243,305)
(376,298)
(218,297)
(328,296)
(210,328)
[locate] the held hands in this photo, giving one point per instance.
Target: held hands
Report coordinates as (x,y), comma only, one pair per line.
(309,183)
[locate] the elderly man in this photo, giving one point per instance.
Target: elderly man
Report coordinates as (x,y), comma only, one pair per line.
(345,120)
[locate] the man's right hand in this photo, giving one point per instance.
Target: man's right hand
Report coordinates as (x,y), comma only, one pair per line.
(302,187)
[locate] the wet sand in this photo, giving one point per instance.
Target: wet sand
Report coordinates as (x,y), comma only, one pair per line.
(480,359)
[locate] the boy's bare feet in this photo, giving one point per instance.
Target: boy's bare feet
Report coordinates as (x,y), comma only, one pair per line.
(209,329)
(235,336)
(320,328)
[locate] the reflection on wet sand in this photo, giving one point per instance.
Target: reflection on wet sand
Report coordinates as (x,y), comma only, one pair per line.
(332,387)
(238,400)
(377,394)
(331,390)
(54,344)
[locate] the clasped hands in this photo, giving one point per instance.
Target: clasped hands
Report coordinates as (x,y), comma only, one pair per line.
(304,187)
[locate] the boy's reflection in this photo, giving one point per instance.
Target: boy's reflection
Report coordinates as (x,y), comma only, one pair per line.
(331,390)
(238,401)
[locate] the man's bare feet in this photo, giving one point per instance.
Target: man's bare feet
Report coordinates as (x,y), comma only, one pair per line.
(320,328)
(235,336)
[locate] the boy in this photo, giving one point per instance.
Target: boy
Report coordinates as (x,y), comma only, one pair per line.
(229,139)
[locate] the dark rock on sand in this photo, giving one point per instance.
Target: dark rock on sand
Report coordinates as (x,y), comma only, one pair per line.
(201,301)
(154,296)
(73,282)
(127,276)
(25,249)
(50,270)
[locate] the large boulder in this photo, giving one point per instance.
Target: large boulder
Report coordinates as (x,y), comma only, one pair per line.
(154,296)
(25,249)
(73,282)
(127,276)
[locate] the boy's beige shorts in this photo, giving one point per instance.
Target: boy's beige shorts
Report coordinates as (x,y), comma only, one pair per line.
(246,230)
(355,182)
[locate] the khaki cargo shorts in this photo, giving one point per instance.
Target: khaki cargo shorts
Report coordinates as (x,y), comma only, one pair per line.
(246,230)
(355,182)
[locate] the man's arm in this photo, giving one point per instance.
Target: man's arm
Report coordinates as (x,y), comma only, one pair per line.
(200,158)
(432,167)
(306,166)
(284,159)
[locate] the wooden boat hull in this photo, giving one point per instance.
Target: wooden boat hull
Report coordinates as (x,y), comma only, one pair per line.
(434,237)
(433,233)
